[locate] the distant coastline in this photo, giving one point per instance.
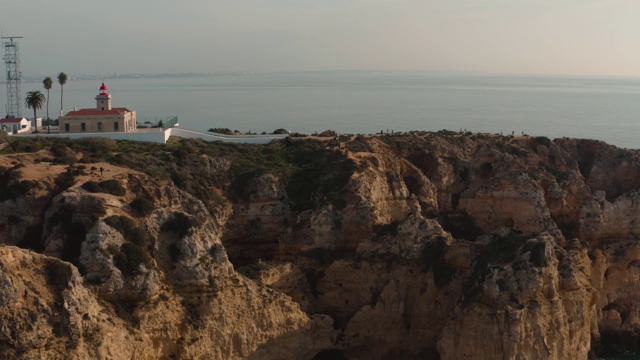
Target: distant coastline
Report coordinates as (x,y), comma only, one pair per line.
(170,75)
(38,78)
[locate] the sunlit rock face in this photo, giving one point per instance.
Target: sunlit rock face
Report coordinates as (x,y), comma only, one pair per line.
(413,246)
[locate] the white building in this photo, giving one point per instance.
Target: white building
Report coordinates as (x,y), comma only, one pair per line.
(102,118)
(15,125)
(36,124)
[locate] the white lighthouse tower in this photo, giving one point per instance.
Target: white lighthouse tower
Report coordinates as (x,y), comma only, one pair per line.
(103,99)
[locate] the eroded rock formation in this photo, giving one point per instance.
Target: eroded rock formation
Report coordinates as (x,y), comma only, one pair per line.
(414,246)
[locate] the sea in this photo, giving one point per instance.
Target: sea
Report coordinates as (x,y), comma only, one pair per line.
(361,102)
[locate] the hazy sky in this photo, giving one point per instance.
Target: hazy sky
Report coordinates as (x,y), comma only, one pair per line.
(593,37)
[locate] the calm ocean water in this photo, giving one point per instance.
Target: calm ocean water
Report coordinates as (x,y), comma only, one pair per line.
(364,102)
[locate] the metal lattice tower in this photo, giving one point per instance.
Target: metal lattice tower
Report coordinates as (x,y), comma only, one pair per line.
(14,76)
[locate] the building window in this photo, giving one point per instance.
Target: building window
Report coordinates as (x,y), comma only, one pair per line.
(83,127)
(99,126)
(66,127)
(115,126)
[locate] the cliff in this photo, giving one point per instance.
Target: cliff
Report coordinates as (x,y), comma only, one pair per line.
(413,246)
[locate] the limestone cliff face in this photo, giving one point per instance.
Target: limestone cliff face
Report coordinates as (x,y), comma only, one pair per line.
(261,217)
(141,286)
(433,246)
(415,265)
(47,312)
(26,195)
(538,305)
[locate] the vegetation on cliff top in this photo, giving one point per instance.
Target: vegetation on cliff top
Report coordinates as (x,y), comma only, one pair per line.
(310,170)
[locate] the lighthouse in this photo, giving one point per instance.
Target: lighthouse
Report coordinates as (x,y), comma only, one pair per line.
(103,98)
(102,118)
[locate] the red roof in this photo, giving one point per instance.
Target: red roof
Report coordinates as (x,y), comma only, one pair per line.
(104,87)
(96,112)
(12,120)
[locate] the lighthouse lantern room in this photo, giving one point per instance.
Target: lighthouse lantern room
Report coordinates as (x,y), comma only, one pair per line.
(103,99)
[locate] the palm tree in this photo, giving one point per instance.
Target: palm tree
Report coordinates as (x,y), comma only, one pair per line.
(34,100)
(62,79)
(48,83)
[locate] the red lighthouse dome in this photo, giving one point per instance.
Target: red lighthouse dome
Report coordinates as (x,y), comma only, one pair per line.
(104,90)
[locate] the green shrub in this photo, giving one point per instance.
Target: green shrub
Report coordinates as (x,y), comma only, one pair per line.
(59,149)
(542,140)
(96,145)
(322,256)
(537,255)
(433,260)
(57,275)
(110,186)
(193,312)
(23,145)
(129,259)
(250,271)
(390,229)
(15,190)
(63,181)
(180,224)
(126,311)
(142,205)
(358,144)
(89,210)
(32,239)
(433,252)
(502,248)
(128,229)
(224,131)
(320,183)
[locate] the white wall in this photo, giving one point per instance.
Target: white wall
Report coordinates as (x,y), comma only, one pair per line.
(247,139)
(155,136)
(159,136)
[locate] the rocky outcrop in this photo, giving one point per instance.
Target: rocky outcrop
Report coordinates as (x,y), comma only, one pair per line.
(526,306)
(47,312)
(414,246)
(118,284)
(261,216)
